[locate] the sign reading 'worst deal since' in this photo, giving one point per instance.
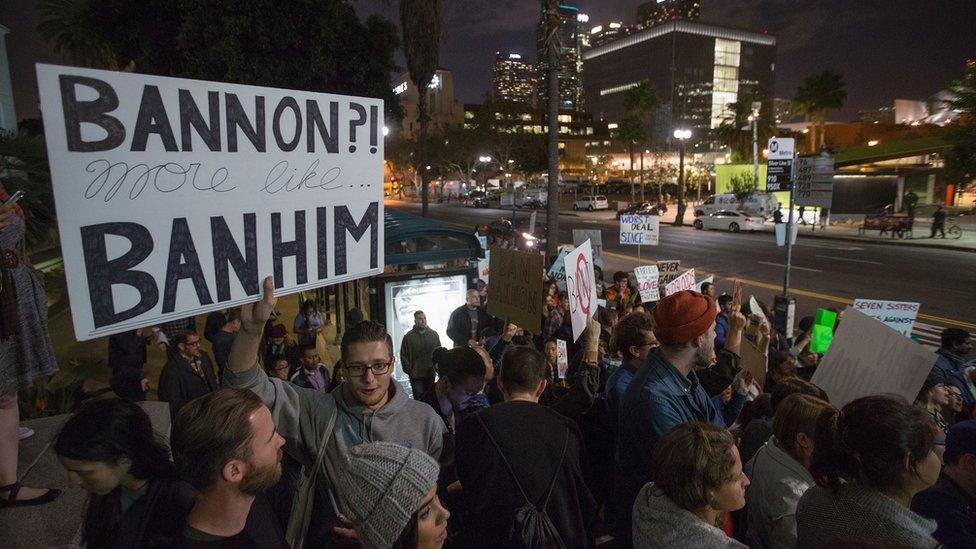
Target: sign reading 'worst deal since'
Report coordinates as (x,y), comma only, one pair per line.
(177,197)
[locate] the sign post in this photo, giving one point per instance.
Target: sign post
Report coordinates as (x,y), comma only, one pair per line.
(780,174)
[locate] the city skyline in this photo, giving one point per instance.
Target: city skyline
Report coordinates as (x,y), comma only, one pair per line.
(905,52)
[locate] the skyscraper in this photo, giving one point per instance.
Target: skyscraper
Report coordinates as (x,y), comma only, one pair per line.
(514,79)
(696,69)
(659,11)
(570,37)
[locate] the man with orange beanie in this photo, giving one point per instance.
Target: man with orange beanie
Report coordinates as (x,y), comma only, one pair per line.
(664,393)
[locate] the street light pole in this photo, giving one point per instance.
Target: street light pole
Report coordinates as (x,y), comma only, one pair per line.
(754,118)
(681,136)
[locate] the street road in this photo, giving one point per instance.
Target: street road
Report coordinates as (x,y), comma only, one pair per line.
(826,273)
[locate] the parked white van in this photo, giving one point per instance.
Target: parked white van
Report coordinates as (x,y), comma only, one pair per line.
(758,203)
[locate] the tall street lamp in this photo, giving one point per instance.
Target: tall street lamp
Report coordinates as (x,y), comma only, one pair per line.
(681,136)
(754,118)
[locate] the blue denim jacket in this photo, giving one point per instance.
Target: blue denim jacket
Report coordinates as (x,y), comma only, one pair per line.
(657,399)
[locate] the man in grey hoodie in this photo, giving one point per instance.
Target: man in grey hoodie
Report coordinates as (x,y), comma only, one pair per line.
(369,407)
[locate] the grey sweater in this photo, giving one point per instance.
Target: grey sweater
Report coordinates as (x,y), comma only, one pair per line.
(300,415)
(659,522)
(859,515)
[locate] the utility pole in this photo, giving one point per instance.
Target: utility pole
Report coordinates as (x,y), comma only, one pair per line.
(754,118)
(553,46)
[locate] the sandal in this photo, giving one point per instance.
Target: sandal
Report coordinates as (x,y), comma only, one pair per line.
(14,489)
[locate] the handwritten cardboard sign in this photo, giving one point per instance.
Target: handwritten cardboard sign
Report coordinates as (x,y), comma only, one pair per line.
(668,270)
(516,288)
(897,315)
(639,229)
(685,281)
(867,357)
(581,286)
(753,361)
(176,197)
(647,283)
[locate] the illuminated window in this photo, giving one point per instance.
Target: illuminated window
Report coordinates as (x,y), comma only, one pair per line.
(565,118)
(725,78)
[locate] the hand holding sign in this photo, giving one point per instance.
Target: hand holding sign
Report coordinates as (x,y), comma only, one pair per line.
(255,315)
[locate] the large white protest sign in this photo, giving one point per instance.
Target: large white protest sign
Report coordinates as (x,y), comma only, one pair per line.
(685,281)
(595,236)
(897,315)
(780,230)
(639,229)
(581,287)
(868,358)
(647,283)
(176,197)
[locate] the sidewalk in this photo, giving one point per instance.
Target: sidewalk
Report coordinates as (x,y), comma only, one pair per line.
(838,231)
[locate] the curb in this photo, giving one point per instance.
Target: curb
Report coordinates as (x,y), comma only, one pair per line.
(906,243)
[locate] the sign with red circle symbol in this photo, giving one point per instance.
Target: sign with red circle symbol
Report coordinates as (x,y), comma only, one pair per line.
(581,286)
(583,295)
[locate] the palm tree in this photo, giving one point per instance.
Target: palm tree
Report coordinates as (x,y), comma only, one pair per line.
(639,102)
(72,27)
(421,22)
(820,92)
(552,45)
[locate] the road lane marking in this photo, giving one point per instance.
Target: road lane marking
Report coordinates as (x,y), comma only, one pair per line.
(781,266)
(849,259)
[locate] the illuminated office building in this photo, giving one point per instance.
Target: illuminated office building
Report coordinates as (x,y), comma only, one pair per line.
(514,79)
(659,11)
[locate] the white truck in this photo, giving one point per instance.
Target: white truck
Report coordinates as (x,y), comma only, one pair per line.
(758,203)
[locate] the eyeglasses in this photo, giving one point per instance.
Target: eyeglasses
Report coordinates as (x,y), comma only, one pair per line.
(378,368)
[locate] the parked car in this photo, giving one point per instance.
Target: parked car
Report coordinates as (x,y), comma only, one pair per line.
(643,208)
(729,220)
(533,203)
(595,202)
(757,203)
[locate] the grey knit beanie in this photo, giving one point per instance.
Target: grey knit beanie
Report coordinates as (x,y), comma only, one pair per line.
(382,486)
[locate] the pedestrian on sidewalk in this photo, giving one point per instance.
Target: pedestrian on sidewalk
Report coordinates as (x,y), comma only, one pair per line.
(938,222)
(803,209)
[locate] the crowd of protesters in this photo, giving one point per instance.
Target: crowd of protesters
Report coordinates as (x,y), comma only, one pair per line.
(647,432)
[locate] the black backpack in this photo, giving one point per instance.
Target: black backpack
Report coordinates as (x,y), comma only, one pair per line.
(531,527)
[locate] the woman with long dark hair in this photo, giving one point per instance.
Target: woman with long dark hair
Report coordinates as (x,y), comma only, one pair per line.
(869,460)
(109,449)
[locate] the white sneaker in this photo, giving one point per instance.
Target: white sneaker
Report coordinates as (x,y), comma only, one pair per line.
(26,432)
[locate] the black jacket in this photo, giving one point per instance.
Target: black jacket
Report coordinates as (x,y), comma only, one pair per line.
(179,383)
(156,519)
(952,508)
(532,438)
(459,325)
(127,354)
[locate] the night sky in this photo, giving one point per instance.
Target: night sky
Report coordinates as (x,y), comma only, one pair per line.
(886,49)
